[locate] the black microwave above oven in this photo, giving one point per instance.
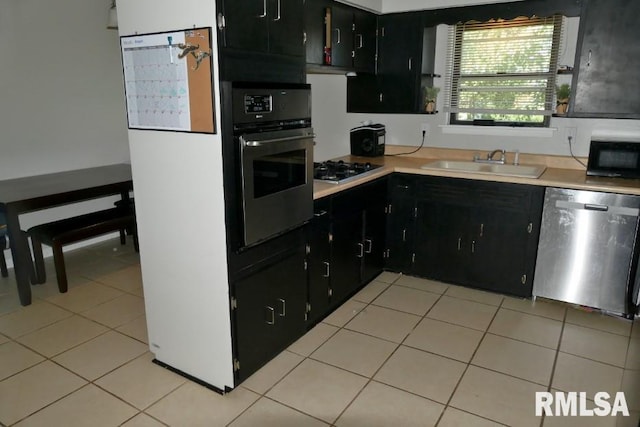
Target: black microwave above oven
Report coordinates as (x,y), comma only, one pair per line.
(619,159)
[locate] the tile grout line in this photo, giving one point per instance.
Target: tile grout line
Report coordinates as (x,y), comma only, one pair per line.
(555,361)
(455,389)
(304,357)
(87,381)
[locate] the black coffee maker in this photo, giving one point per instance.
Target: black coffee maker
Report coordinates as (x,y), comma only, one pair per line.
(368,140)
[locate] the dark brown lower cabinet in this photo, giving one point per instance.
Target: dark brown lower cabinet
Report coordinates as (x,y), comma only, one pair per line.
(474,233)
(269,311)
(346,245)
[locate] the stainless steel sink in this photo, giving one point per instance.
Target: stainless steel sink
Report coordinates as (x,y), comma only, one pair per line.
(523,171)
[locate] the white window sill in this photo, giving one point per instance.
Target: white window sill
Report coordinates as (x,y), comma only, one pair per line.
(498,131)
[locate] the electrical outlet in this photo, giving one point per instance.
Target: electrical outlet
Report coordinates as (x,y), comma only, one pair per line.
(425,127)
(571,132)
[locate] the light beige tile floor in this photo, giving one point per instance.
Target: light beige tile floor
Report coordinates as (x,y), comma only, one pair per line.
(403,351)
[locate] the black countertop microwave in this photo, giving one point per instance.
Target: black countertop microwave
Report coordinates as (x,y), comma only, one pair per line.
(620,159)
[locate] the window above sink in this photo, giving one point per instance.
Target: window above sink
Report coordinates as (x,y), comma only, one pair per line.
(502,72)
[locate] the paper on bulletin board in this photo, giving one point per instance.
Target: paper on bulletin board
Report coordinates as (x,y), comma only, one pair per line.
(168,83)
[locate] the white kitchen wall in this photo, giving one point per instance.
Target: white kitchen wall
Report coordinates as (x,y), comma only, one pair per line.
(61,102)
(332,123)
(60,79)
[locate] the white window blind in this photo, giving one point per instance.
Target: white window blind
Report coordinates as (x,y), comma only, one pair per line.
(504,71)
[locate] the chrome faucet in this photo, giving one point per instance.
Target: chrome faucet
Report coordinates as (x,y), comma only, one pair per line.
(490,157)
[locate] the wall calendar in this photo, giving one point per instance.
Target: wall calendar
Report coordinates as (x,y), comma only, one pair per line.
(168,80)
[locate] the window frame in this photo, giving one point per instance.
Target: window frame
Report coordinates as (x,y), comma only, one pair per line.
(455,77)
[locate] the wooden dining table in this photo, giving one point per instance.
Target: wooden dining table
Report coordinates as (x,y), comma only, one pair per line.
(33,193)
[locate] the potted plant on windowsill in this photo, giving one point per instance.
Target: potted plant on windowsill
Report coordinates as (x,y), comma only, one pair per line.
(430,97)
(562,98)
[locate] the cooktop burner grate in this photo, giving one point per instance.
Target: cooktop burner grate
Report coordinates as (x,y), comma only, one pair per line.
(336,172)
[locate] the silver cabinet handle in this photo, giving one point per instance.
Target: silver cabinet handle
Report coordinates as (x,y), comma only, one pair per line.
(277,18)
(481,230)
(283,307)
(359,41)
(327,271)
(369,246)
(360,250)
(338,35)
(321,213)
(410,63)
(271,311)
(473,246)
(404,235)
(264,9)
(220,21)
(459,243)
(589,59)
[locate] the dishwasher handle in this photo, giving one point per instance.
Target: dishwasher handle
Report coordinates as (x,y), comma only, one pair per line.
(593,207)
(614,210)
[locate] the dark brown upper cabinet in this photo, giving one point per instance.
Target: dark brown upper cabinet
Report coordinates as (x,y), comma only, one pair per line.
(267,26)
(339,38)
(606,80)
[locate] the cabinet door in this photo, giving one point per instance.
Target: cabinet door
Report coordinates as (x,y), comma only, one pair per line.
(400,223)
(399,61)
(247,25)
(286,27)
(319,261)
(374,232)
(314,15)
(364,94)
(442,242)
(498,251)
(504,234)
(347,252)
(364,41)
(607,78)
(341,36)
(289,297)
(271,305)
(442,239)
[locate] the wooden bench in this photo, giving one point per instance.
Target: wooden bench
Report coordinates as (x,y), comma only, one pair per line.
(70,230)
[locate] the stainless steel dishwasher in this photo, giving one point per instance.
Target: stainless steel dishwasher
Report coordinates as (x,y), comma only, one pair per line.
(587,249)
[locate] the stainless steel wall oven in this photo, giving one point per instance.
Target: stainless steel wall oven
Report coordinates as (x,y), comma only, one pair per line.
(274,147)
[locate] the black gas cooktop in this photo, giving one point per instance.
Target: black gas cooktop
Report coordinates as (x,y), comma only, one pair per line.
(337,172)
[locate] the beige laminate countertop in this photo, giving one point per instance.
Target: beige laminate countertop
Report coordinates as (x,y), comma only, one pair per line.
(552,176)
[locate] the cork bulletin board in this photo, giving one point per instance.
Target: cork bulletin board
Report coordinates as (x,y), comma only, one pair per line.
(168,80)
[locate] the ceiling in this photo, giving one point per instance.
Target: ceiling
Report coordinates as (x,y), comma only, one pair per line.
(389,6)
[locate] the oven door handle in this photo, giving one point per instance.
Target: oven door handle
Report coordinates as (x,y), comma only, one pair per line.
(260,143)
